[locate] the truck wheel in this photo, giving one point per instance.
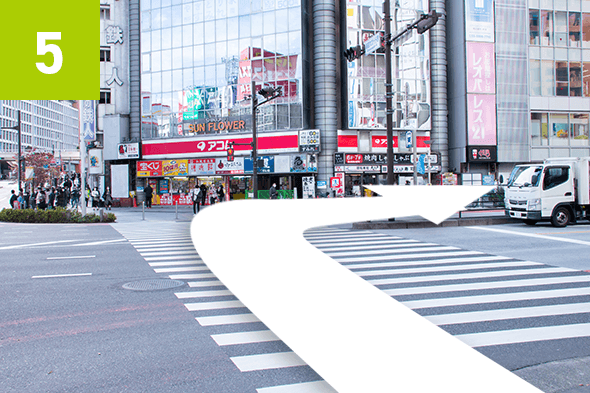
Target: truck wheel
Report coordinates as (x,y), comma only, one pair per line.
(530,222)
(561,217)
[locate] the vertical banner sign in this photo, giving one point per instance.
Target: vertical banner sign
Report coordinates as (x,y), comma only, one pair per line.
(481,119)
(479,20)
(88,116)
(50,50)
(308,187)
(481,70)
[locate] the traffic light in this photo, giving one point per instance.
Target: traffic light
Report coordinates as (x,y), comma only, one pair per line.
(354,52)
(269,91)
(427,21)
(230,153)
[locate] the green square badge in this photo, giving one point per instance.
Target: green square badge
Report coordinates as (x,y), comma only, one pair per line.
(50,50)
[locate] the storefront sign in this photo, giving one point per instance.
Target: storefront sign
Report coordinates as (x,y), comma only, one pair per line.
(322,184)
(128,150)
(175,168)
(216,146)
(308,187)
(201,167)
(149,168)
(363,168)
(268,164)
(163,186)
(225,167)
(347,141)
(378,141)
(87,120)
(371,158)
(309,141)
(217,126)
(338,168)
(340,187)
(298,163)
(481,154)
(334,182)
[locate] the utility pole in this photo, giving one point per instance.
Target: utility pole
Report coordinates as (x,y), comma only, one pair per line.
(254,102)
(269,93)
(388,90)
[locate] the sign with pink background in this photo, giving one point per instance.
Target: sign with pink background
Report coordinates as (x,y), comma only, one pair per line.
(481,75)
(481,119)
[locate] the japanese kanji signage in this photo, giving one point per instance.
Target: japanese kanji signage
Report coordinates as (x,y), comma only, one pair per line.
(88,120)
(149,168)
(481,153)
(309,141)
(481,73)
(201,166)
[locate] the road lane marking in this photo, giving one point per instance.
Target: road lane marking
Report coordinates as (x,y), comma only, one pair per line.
(510,313)
(353,336)
(97,243)
(267,361)
(227,319)
(305,387)
(545,333)
(74,257)
(451,268)
(63,275)
(200,294)
(182,269)
(559,239)
(497,298)
(476,286)
(35,244)
(240,338)
(441,261)
(213,305)
(208,283)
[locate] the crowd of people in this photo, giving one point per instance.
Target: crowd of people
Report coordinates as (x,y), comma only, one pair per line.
(66,194)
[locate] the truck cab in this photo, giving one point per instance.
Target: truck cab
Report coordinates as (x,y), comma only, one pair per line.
(551,191)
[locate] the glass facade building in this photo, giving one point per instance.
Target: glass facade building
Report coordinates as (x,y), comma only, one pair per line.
(410,67)
(198,58)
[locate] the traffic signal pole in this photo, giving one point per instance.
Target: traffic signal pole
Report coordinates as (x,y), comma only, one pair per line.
(388,90)
(254,144)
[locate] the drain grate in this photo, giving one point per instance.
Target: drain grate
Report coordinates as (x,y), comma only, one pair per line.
(152,285)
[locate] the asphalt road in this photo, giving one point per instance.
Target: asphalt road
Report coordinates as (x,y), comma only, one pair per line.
(84,332)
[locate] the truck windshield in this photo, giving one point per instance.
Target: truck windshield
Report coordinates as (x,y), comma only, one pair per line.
(525,176)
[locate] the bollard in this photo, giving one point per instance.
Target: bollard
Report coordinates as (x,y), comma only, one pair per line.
(101,214)
(176,203)
(143,211)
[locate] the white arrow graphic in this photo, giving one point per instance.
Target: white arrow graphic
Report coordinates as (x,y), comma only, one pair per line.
(352,334)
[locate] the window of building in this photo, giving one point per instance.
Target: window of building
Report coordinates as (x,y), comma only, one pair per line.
(575,79)
(574,29)
(579,129)
(105,54)
(535,68)
(547,28)
(534,27)
(586,79)
(559,129)
(105,96)
(561,22)
(561,78)
(547,78)
(105,12)
(586,30)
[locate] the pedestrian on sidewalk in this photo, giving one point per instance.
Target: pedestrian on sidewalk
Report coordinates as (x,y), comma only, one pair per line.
(196,197)
(51,199)
(149,192)
(203,194)
(13,200)
(273,191)
(75,201)
(108,199)
(41,199)
(220,193)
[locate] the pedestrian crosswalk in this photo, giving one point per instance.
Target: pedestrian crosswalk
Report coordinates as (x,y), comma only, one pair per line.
(471,294)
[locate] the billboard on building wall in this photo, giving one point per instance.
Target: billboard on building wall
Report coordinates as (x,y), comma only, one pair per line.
(479,20)
(87,120)
(481,119)
(481,69)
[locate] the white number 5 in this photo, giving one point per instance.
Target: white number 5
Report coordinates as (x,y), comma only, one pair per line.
(43,48)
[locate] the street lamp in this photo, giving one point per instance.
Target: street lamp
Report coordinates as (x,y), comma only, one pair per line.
(17,128)
(422,24)
(269,93)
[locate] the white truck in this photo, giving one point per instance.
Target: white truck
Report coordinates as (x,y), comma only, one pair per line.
(558,190)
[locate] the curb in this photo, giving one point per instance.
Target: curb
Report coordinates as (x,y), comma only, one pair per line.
(427,224)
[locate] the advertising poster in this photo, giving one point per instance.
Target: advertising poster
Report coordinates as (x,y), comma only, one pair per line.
(481,74)
(95,163)
(298,163)
(128,150)
(479,20)
(481,119)
(175,168)
(268,164)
